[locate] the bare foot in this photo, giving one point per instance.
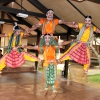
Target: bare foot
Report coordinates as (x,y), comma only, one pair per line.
(53,95)
(86,78)
(45,92)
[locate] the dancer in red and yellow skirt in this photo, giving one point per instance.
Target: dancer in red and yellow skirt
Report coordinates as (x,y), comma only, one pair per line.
(15,57)
(79,51)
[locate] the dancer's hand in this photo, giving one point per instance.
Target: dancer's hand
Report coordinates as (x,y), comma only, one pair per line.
(25,46)
(6,34)
(73,40)
(27,31)
(42,36)
(58,61)
(62,47)
(20,46)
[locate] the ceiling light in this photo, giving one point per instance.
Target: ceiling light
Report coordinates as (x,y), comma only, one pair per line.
(2,22)
(72,35)
(80,0)
(22,15)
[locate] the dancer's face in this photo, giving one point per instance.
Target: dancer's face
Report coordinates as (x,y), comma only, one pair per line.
(88,22)
(47,39)
(50,15)
(17,32)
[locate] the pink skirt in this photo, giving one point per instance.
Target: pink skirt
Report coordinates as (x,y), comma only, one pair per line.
(14,59)
(80,53)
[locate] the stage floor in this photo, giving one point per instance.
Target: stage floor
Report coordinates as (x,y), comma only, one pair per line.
(29,86)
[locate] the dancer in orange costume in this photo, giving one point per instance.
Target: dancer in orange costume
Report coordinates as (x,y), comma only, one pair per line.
(49,47)
(48,24)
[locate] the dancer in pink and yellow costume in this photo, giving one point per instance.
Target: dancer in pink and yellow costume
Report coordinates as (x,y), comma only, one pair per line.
(15,57)
(79,51)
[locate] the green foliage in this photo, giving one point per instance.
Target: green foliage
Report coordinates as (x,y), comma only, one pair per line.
(94,78)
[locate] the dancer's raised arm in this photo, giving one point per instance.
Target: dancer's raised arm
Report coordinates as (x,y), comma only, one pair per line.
(3,35)
(31,47)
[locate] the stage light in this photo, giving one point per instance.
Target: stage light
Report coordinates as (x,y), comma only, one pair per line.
(22,15)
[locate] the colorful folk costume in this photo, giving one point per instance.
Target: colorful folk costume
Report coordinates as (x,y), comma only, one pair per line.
(79,51)
(15,57)
(48,26)
(49,64)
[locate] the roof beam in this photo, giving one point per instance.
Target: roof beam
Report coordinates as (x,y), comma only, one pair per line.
(24,9)
(10,18)
(2,15)
(1,26)
(4,1)
(42,8)
(20,5)
(20,19)
(78,10)
(15,11)
(25,22)
(94,1)
(11,21)
(8,1)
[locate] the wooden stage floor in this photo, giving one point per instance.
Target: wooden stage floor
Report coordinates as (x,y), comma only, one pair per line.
(29,86)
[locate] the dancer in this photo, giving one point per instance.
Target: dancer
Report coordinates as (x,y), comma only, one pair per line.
(79,51)
(48,24)
(49,47)
(15,57)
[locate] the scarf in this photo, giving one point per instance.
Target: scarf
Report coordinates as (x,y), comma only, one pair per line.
(16,43)
(82,31)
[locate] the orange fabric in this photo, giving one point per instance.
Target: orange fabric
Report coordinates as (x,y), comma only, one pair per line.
(48,54)
(56,84)
(49,25)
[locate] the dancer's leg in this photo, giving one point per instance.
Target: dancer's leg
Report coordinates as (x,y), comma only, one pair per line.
(86,66)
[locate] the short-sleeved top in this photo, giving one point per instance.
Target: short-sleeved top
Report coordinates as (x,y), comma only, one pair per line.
(14,40)
(86,34)
(49,25)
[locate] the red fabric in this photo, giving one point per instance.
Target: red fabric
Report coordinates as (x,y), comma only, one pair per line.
(15,59)
(80,54)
